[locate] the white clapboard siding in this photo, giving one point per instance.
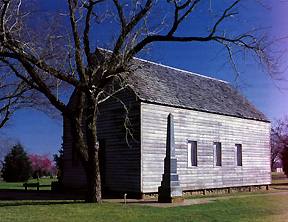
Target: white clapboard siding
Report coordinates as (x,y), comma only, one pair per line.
(205,128)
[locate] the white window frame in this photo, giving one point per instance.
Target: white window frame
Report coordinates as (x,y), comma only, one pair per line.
(189,151)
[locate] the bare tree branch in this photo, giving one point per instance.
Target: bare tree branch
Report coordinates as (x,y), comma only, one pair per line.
(78,58)
(212,36)
(190,4)
(6,114)
(12,97)
(86,42)
(128,28)
(120,14)
(225,14)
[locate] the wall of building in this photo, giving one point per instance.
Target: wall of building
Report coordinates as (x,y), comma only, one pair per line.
(122,149)
(120,162)
(73,173)
(205,128)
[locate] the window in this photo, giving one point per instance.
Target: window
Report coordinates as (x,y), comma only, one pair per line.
(192,153)
(217,154)
(238,148)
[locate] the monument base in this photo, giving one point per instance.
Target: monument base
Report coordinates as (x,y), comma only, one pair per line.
(166,196)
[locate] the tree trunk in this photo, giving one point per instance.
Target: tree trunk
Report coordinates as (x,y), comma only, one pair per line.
(94,194)
(85,136)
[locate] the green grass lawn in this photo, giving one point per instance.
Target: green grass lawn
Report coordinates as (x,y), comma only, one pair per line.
(253,208)
(19,185)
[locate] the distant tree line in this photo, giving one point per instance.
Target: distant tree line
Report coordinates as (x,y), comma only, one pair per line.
(18,166)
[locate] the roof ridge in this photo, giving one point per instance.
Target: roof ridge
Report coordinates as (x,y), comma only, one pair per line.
(174,68)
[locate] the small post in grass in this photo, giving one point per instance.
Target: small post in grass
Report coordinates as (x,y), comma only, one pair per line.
(125,198)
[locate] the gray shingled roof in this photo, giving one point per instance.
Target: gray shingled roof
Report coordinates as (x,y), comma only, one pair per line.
(169,86)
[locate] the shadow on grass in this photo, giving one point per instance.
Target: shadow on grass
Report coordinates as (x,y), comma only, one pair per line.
(40,196)
(14,203)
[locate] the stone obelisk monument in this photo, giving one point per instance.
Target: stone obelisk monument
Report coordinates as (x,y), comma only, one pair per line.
(170,190)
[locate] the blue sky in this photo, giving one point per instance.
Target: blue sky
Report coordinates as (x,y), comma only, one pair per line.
(41,134)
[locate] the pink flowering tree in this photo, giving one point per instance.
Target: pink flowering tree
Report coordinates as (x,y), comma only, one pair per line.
(42,165)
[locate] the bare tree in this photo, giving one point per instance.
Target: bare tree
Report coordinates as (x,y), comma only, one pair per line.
(284,156)
(279,138)
(46,57)
(279,144)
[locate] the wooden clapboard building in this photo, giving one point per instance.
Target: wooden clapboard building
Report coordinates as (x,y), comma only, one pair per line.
(221,139)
